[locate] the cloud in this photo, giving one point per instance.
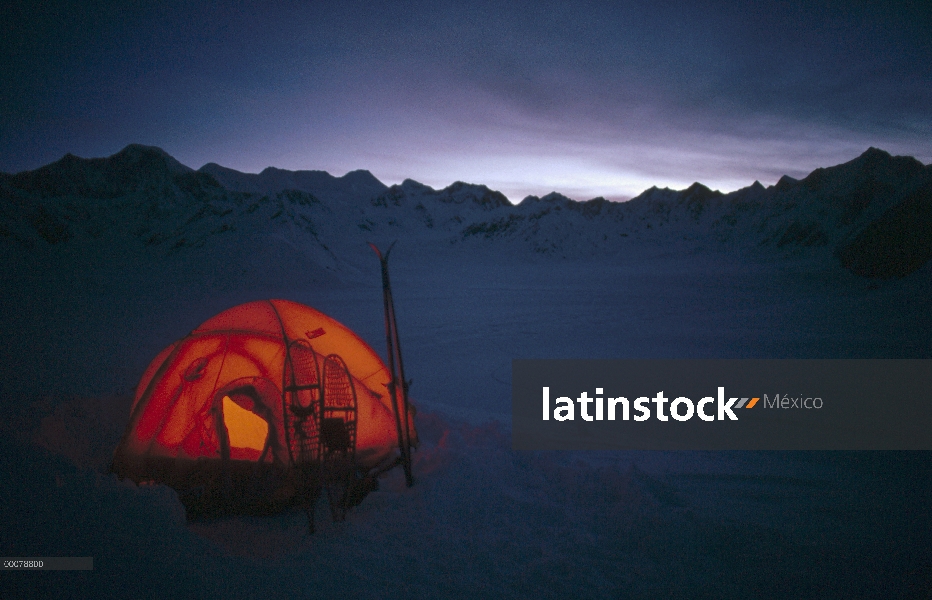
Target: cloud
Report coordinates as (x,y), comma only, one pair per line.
(597,98)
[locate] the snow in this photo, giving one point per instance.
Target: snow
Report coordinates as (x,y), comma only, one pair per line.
(82,318)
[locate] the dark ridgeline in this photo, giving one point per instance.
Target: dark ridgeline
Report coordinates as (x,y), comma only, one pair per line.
(873,214)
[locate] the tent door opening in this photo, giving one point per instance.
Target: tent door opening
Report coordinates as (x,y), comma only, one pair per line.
(247,432)
(250,470)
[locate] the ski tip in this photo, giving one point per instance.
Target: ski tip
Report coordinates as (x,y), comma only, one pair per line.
(379,252)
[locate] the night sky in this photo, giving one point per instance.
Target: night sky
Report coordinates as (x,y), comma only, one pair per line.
(589,99)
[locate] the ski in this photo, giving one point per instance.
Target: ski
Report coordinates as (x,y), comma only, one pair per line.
(393,344)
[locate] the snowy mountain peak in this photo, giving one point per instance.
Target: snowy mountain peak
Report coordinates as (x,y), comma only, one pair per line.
(457,194)
(355,187)
(410,186)
(132,169)
(362,176)
(551,198)
(654,194)
(554,197)
(786,182)
(480,195)
(872,172)
(875,153)
(876,162)
(141,156)
(697,190)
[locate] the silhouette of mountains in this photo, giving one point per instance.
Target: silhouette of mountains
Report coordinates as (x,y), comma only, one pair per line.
(872,214)
(355,184)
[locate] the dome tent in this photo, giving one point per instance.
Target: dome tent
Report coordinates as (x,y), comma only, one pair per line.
(261,407)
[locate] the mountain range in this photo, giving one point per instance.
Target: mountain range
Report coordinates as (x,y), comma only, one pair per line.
(871,215)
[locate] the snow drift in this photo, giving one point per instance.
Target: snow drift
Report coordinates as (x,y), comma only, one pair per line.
(108,261)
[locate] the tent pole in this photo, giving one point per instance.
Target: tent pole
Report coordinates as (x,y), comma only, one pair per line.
(394,350)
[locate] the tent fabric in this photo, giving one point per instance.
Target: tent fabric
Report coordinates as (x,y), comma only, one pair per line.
(238,389)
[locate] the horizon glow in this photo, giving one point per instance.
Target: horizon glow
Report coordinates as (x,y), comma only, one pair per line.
(606,101)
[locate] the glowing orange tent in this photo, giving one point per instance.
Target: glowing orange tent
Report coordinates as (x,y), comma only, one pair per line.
(261,407)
